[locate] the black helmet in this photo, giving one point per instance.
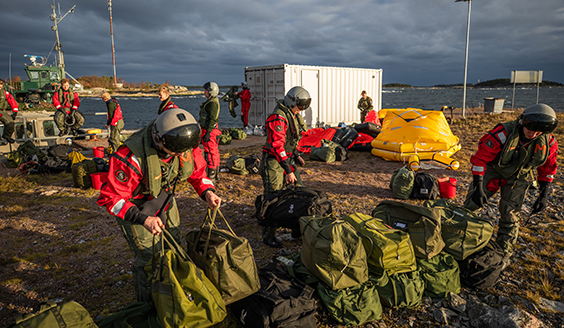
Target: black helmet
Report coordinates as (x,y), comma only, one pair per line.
(539,118)
(177,130)
(212,88)
(297,96)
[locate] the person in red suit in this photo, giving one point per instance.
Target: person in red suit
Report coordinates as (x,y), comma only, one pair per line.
(245,97)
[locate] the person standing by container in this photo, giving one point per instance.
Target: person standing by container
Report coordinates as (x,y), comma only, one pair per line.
(209,115)
(67,116)
(365,105)
(8,112)
(245,97)
(114,122)
(278,166)
(164,96)
(505,157)
(143,172)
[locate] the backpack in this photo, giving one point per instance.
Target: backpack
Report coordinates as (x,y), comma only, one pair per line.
(387,248)
(136,314)
(352,306)
(236,165)
(283,208)
(81,173)
(332,251)
(425,186)
(482,269)
(441,275)
(463,231)
(280,302)
(238,134)
(51,315)
(401,290)
(402,182)
(224,139)
(423,224)
(252,163)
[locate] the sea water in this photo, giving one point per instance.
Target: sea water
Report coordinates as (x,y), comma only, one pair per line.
(139,111)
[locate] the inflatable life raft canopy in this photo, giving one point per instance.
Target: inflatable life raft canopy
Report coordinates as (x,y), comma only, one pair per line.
(416,136)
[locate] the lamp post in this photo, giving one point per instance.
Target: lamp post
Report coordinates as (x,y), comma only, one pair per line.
(466,56)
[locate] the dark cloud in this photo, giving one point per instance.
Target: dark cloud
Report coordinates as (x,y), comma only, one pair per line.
(190,42)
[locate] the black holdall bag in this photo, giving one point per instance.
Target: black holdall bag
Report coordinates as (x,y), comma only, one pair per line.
(284,208)
(280,302)
(425,186)
(482,269)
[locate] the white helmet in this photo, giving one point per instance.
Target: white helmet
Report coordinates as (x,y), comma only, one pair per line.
(212,88)
(177,130)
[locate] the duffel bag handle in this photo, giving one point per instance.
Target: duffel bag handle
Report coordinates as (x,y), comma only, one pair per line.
(211,218)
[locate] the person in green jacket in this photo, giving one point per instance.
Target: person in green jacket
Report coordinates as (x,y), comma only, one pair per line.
(278,166)
(365,105)
(114,122)
(209,115)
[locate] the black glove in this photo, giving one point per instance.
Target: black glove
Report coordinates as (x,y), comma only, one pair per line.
(14,115)
(540,204)
(478,195)
(207,137)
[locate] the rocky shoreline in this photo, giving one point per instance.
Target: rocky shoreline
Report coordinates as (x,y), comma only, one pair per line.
(175,90)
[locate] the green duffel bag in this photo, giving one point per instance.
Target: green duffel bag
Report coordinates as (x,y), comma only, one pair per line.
(135,315)
(51,315)
(332,251)
(236,165)
(224,139)
(463,232)
(352,306)
(387,248)
(227,259)
(441,275)
(401,290)
(422,223)
(81,173)
(326,152)
(238,134)
(401,182)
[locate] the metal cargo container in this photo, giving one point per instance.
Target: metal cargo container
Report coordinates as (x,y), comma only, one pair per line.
(335,91)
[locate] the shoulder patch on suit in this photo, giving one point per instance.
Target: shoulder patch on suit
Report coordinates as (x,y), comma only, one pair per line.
(489,143)
(121,176)
(278,128)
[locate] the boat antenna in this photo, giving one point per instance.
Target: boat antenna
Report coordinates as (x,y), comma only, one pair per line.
(112,35)
(58,46)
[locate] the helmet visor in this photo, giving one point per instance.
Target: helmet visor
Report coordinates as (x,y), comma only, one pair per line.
(182,138)
(540,126)
(303,104)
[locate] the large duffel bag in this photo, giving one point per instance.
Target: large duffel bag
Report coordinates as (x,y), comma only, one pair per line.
(135,315)
(463,232)
(441,275)
(369,128)
(328,152)
(402,182)
(350,136)
(422,223)
(332,250)
(482,269)
(227,260)
(280,302)
(81,173)
(401,290)
(51,315)
(387,248)
(284,208)
(352,306)
(237,165)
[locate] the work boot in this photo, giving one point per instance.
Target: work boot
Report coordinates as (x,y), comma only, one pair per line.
(273,242)
(212,174)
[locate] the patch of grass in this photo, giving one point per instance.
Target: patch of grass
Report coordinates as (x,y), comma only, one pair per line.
(72,249)
(12,281)
(15,184)
(77,225)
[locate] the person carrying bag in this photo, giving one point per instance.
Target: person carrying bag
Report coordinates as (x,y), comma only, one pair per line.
(226,259)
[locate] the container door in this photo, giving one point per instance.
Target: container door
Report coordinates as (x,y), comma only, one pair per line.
(310,81)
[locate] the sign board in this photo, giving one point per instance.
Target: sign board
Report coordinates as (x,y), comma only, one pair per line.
(526,76)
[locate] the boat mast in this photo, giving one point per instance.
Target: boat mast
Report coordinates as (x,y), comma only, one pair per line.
(58,46)
(112,34)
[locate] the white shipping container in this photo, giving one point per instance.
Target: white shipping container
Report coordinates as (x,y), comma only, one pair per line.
(334,91)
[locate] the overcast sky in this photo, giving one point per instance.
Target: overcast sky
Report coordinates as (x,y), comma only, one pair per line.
(417,42)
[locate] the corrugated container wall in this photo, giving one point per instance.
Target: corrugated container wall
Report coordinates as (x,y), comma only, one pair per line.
(335,91)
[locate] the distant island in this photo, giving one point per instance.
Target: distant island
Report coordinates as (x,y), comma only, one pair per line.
(497,83)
